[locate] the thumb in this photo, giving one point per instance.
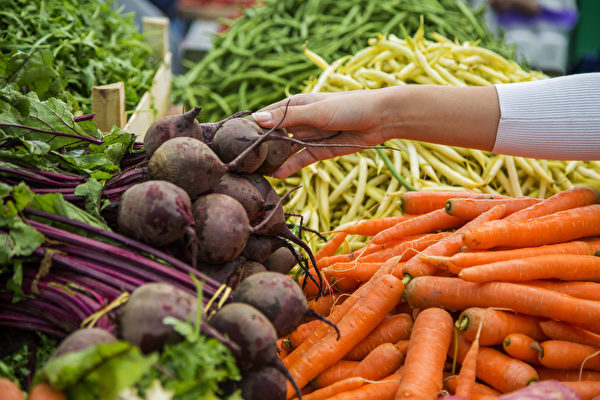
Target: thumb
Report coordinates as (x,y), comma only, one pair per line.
(294,116)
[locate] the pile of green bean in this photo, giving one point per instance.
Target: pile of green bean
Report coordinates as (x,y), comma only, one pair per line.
(259,58)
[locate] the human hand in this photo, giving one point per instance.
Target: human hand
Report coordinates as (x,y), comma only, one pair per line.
(352,118)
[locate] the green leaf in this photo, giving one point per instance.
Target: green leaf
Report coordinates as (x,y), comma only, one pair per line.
(22,196)
(54,203)
(91,190)
(23,238)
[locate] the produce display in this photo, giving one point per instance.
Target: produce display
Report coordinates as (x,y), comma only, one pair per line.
(62,49)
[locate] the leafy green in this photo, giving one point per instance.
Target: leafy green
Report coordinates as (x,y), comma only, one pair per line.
(16,365)
(62,48)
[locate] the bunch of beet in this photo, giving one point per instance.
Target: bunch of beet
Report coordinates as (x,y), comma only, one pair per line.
(207,200)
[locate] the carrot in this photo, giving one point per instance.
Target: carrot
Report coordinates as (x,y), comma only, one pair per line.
(355,270)
(422,373)
(302,332)
(480,391)
(567,374)
(471,208)
(407,249)
(559,227)
(373,226)
(587,390)
(380,390)
(323,304)
(339,311)
(9,390)
(283,347)
(521,347)
(456,294)
(424,201)
(339,371)
(357,323)
(495,368)
(449,245)
(560,354)
(469,259)
(566,267)
(465,383)
(498,325)
(433,221)
(391,330)
(560,331)
(331,246)
(382,361)
(582,290)
(338,387)
(403,346)
(567,199)
(330,283)
(43,391)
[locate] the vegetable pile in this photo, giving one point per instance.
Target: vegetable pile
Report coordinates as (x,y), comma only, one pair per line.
(469,293)
(60,49)
(258,59)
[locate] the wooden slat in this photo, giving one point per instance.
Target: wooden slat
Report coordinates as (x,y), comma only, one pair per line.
(156,32)
(108,105)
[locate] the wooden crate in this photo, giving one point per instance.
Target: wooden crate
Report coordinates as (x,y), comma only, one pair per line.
(108,101)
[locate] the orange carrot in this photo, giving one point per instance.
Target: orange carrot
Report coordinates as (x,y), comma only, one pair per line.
(565,200)
(382,361)
(338,387)
(357,323)
(323,304)
(9,390)
(422,373)
(380,390)
(456,294)
(472,258)
(471,208)
(465,383)
(406,249)
(330,283)
(403,346)
(433,221)
(587,390)
(43,391)
(283,347)
(339,371)
(566,267)
(560,331)
(339,311)
(582,290)
(495,368)
(392,329)
(559,227)
(331,246)
(302,332)
(373,226)
(567,374)
(498,325)
(358,271)
(450,244)
(560,354)
(424,201)
(480,391)
(522,347)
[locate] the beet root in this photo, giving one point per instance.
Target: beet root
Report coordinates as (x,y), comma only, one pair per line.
(250,268)
(155,212)
(263,384)
(235,136)
(260,247)
(82,339)
(142,323)
(222,228)
(189,164)
(278,297)
(277,152)
(243,191)
(171,126)
(282,260)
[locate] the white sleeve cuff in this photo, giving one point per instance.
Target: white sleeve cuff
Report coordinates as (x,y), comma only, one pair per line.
(556,119)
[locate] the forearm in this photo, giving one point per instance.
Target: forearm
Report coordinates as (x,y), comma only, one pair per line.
(455,116)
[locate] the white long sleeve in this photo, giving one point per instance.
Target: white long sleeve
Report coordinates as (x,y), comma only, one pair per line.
(556,119)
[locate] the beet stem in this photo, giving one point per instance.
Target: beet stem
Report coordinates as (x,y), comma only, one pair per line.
(278,364)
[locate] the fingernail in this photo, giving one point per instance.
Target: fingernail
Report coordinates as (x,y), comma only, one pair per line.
(262,117)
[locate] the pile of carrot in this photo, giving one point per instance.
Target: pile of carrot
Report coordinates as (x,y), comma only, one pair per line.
(466,294)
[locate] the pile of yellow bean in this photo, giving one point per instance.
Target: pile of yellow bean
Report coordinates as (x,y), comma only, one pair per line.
(357,186)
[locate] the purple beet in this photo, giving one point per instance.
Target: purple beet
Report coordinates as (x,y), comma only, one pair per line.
(235,136)
(82,339)
(243,191)
(263,384)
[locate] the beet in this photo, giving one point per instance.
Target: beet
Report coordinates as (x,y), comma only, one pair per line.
(243,191)
(155,212)
(277,152)
(141,322)
(255,336)
(260,247)
(189,164)
(279,298)
(235,136)
(229,273)
(182,125)
(263,384)
(222,228)
(282,260)
(82,339)
(250,268)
